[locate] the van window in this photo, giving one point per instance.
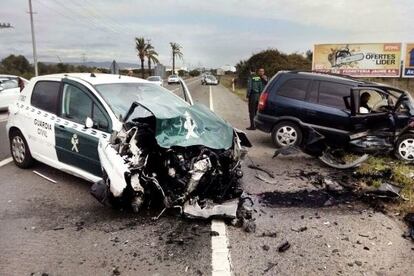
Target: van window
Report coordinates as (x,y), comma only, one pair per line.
(294,88)
(332,94)
(45,96)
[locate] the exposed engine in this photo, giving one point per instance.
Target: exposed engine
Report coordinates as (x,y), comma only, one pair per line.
(153,175)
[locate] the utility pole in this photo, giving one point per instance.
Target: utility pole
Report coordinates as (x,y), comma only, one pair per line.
(33,37)
(83,58)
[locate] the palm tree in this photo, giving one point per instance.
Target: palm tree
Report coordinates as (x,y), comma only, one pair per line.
(142,47)
(152,57)
(176,52)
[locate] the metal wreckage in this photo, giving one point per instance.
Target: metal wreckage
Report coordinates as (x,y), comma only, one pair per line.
(177,156)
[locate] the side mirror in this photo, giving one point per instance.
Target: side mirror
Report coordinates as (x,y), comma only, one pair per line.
(88,122)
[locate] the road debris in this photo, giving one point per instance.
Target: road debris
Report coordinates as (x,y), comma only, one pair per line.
(269,267)
(269,234)
(214,233)
(58,228)
(284,246)
(264,179)
(256,167)
(300,229)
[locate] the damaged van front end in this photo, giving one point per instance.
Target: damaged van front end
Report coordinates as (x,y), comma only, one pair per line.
(181,156)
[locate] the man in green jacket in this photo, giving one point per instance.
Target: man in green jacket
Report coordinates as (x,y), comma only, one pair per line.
(255,86)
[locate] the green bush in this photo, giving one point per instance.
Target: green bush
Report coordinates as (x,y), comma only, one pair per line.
(272,60)
(194,73)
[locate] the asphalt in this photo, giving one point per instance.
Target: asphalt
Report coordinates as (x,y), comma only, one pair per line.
(4,141)
(60,229)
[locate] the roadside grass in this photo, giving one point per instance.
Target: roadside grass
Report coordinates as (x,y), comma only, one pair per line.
(226,81)
(380,170)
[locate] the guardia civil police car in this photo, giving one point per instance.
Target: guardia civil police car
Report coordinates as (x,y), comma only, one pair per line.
(59,119)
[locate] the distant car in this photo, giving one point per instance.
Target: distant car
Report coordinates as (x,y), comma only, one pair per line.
(9,90)
(209,80)
(173,79)
(156,79)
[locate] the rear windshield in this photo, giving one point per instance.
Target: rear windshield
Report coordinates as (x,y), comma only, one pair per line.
(120,96)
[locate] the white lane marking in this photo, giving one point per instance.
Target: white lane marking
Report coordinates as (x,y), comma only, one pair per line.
(5,161)
(45,177)
(211,99)
(220,255)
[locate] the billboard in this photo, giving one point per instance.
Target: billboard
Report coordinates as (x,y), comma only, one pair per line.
(408,70)
(358,60)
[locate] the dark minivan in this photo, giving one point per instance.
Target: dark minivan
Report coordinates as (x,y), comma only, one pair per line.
(332,105)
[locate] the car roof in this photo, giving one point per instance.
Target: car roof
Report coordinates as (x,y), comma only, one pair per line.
(344,79)
(326,76)
(93,78)
(8,76)
(5,76)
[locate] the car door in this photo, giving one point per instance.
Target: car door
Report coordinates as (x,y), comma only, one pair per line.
(325,109)
(39,119)
(374,120)
(76,142)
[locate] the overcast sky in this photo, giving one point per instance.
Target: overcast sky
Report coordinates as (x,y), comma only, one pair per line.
(212,33)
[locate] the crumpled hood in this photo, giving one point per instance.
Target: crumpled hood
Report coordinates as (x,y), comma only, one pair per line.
(189,125)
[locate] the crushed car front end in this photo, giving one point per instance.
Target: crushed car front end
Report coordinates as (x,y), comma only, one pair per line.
(182,156)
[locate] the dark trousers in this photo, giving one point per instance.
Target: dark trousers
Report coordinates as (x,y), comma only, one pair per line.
(253,102)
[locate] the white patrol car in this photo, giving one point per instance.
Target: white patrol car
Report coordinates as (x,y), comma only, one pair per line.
(59,119)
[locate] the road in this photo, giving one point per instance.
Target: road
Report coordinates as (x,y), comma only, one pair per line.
(60,229)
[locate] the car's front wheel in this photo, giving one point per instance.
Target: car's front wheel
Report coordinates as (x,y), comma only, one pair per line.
(286,134)
(20,150)
(404,149)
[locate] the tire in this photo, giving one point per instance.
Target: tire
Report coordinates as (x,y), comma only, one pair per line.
(20,150)
(404,149)
(286,134)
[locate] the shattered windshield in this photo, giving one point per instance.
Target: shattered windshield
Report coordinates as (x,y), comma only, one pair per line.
(120,96)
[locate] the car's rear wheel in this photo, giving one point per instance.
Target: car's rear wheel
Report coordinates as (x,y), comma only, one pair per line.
(286,134)
(20,150)
(404,149)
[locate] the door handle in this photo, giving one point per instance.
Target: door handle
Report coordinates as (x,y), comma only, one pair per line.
(61,126)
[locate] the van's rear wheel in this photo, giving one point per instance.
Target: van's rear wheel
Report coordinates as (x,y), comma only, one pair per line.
(286,134)
(20,150)
(404,149)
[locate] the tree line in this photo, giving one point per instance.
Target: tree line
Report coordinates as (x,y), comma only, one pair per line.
(272,60)
(19,65)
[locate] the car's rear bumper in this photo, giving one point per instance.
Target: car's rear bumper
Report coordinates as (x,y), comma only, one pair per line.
(264,122)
